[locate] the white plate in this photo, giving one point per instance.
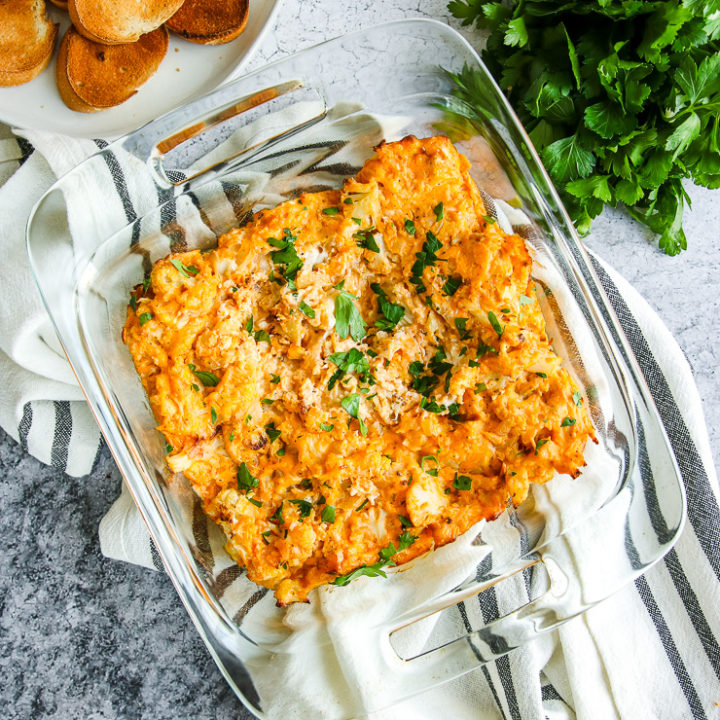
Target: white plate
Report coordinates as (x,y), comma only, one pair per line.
(187,71)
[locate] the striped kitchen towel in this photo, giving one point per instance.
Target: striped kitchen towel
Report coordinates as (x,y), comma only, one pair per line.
(650,651)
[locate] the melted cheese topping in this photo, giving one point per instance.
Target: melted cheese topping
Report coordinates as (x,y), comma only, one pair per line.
(459,405)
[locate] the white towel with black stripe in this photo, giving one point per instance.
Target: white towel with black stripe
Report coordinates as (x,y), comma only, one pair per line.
(650,651)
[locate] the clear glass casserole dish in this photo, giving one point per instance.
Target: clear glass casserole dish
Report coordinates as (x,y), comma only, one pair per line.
(308,122)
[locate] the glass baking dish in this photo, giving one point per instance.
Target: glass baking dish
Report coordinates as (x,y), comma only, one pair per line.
(303,123)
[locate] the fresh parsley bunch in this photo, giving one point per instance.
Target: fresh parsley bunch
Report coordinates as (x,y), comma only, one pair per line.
(620,97)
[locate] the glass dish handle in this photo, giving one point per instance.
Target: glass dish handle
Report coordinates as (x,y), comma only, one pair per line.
(173,144)
(581,569)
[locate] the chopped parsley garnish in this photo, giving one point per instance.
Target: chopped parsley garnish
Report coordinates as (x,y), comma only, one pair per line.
(361,505)
(577,398)
(489,219)
(331,210)
(326,428)
(461,326)
(261,336)
(232,436)
(542,375)
(304,507)
(145,317)
(462,482)
(439,212)
(133,302)
(256,503)
(451,285)
(286,255)
(249,325)
(409,227)
(480,387)
(437,363)
(348,320)
(348,201)
(392,312)
(208,379)
(272,432)
(351,405)
(540,443)
(497,327)
(234,288)
(405,522)
(168,447)
(357,221)
(567,422)
(352,361)
(366,239)
(328,514)
(274,379)
(267,401)
(278,515)
(248,418)
(432,471)
(147,282)
(245,480)
(427,257)
(213,415)
(306,309)
(431,406)
(375,570)
(186,270)
(264,537)
(195,387)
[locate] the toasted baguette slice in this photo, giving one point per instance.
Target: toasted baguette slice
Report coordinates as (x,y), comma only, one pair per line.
(210,22)
(93,77)
(117,22)
(27,40)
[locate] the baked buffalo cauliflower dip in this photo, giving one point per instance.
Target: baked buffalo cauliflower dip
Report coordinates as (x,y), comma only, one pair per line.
(357,376)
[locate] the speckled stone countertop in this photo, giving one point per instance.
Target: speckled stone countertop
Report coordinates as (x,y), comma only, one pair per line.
(88,638)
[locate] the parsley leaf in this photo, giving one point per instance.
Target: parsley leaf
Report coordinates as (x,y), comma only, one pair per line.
(451,285)
(348,320)
(272,432)
(186,270)
(462,482)
(460,325)
(286,255)
(328,514)
(352,361)
(427,257)
(351,405)
(386,554)
(439,211)
(392,312)
(497,327)
(145,317)
(304,507)
(245,480)
(306,309)
(621,99)
(567,422)
(409,227)
(208,379)
(366,239)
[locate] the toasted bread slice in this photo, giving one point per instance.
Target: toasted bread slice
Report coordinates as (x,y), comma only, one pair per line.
(27,40)
(93,77)
(210,22)
(115,23)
